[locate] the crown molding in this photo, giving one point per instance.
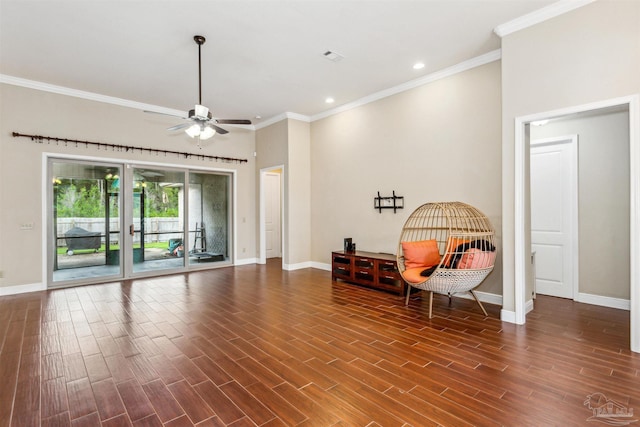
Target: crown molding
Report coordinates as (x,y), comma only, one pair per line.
(46,87)
(492,56)
(280,117)
(541,15)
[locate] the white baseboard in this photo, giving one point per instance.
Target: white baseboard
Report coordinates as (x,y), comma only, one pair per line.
(528,306)
(298,266)
(22,289)
(321,266)
(508,316)
(246,261)
(622,304)
(483,297)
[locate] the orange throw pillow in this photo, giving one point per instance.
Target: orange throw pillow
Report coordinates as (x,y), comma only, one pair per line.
(422,253)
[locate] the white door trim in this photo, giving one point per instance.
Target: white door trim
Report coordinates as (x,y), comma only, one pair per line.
(521,254)
(262,256)
(572,140)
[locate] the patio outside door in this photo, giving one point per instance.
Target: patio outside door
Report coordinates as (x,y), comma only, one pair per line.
(111,221)
(85,230)
(156,228)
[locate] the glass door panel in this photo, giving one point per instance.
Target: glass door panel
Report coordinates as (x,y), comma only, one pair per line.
(209,217)
(173,222)
(85,227)
(158,220)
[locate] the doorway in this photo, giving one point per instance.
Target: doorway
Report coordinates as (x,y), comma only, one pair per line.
(272,217)
(554,215)
(110,220)
(271,213)
(522,254)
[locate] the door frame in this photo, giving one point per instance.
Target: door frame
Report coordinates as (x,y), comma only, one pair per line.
(49,246)
(262,256)
(572,140)
(521,255)
(272,195)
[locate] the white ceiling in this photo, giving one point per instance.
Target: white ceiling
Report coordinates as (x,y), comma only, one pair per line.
(261,57)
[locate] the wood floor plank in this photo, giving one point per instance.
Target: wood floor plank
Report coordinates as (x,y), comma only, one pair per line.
(96,368)
(166,407)
(81,400)
(74,367)
(196,409)
(107,399)
(53,397)
(249,404)
(27,398)
(222,405)
(286,412)
(165,369)
(258,346)
(136,402)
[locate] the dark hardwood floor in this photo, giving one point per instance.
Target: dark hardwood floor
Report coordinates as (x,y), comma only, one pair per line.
(257,346)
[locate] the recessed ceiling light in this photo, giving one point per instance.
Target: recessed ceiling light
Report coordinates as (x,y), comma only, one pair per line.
(329,100)
(418,66)
(258,117)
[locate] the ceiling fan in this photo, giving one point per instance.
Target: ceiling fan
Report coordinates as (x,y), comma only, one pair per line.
(201,123)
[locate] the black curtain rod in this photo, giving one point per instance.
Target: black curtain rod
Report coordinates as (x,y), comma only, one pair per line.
(116,147)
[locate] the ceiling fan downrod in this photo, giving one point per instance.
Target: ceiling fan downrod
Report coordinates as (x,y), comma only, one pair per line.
(200,41)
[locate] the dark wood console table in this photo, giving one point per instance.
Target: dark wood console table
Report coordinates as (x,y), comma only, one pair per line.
(371,269)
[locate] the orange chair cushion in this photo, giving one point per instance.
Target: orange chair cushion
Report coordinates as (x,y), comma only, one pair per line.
(475,258)
(412,275)
(421,253)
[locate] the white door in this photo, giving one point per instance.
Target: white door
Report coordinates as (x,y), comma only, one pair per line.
(272,215)
(554,225)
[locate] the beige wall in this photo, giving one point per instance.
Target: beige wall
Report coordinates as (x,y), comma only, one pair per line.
(298,188)
(437,142)
(287,143)
(603,199)
(587,55)
(272,144)
(43,113)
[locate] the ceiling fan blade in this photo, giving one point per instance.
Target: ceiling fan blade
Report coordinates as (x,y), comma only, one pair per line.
(233,121)
(180,126)
(163,114)
(218,129)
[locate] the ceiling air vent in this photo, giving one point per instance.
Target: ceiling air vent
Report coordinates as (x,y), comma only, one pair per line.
(333,56)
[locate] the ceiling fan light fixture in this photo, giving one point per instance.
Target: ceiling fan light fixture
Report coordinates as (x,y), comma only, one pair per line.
(193,131)
(207,132)
(203,126)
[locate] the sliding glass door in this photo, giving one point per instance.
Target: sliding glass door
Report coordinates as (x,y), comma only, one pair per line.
(209,217)
(85,227)
(112,221)
(158,219)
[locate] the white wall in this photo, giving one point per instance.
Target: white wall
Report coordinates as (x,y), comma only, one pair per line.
(21,176)
(437,142)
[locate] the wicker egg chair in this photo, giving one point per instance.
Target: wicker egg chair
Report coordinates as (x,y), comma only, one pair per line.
(446,247)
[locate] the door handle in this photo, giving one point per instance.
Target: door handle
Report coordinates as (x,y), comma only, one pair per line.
(131,230)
